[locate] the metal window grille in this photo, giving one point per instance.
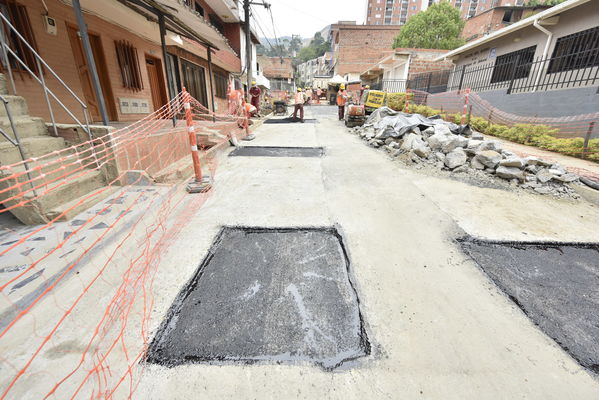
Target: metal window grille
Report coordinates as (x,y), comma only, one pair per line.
(128,65)
(575,51)
(513,65)
(17,15)
(221,83)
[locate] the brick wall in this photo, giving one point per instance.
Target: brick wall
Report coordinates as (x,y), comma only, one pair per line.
(422,61)
(360,46)
(57,52)
(276,67)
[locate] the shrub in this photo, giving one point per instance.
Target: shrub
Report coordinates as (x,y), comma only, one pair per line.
(396,101)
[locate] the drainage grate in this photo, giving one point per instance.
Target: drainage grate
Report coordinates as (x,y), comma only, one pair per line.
(554,284)
(281,295)
(289,121)
(274,151)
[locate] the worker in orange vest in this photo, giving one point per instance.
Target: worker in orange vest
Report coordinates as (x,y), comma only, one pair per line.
(341,100)
(299,105)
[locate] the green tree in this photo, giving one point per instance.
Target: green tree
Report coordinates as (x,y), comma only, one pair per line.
(552,3)
(317,47)
(438,27)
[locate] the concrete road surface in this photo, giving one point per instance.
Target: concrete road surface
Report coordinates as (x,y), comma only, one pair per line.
(438,327)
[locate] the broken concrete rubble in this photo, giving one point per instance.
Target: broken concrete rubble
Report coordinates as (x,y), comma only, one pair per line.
(434,143)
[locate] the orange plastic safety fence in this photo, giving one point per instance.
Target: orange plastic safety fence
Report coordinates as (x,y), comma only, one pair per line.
(77,295)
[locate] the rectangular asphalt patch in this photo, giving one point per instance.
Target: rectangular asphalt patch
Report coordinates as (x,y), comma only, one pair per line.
(274,151)
(289,121)
(272,295)
(556,285)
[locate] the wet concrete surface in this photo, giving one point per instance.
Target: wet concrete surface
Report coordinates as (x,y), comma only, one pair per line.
(274,295)
(275,151)
(556,285)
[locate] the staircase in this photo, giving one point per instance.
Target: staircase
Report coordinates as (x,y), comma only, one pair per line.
(36,141)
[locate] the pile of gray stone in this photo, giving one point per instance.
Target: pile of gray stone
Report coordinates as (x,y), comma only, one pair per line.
(437,146)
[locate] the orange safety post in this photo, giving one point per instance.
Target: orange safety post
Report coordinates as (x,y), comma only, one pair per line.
(198,184)
(465,109)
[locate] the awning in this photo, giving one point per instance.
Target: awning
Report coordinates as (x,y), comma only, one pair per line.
(262,81)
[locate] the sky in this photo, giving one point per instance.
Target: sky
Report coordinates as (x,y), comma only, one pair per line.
(306,17)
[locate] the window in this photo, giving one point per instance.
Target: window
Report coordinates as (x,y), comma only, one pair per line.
(199,10)
(18,17)
(216,22)
(521,60)
(576,51)
(129,65)
(472,8)
(507,16)
(221,83)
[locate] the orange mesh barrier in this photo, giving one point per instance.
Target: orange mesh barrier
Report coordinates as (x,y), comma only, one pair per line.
(78,287)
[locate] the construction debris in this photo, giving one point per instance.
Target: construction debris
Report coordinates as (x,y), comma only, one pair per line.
(435,143)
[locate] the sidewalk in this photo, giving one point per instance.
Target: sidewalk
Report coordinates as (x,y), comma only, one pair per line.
(577,165)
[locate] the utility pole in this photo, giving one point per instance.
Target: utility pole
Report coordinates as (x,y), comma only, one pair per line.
(248,42)
(91,64)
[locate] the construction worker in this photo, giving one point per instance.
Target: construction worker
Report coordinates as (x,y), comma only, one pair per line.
(318,95)
(299,105)
(364,96)
(341,100)
(309,95)
(255,93)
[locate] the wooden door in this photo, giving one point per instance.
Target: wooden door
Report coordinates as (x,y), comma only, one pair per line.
(156,79)
(85,74)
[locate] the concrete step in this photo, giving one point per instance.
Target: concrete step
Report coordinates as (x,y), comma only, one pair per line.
(52,168)
(79,204)
(70,188)
(33,147)
(26,127)
(17,105)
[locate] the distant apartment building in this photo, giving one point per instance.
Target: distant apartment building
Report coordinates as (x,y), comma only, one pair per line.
(397,12)
(318,67)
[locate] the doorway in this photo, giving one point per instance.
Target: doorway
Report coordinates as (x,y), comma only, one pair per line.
(85,75)
(156,78)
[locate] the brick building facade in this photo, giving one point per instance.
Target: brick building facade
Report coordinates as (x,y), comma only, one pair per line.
(117,29)
(279,71)
(496,18)
(357,47)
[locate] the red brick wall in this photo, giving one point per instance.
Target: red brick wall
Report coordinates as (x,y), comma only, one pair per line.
(273,68)
(476,26)
(361,46)
(57,52)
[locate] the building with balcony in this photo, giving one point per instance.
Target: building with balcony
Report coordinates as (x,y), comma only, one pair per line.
(139,65)
(321,67)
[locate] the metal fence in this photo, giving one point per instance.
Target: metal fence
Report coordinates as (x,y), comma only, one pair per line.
(516,72)
(390,85)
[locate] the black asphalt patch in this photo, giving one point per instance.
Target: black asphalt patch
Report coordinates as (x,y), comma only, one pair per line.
(556,285)
(274,151)
(289,121)
(273,295)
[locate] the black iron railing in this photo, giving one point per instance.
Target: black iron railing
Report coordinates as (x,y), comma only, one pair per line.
(517,74)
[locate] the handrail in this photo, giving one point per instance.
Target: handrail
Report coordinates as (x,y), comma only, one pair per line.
(40,61)
(17,141)
(6,50)
(37,56)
